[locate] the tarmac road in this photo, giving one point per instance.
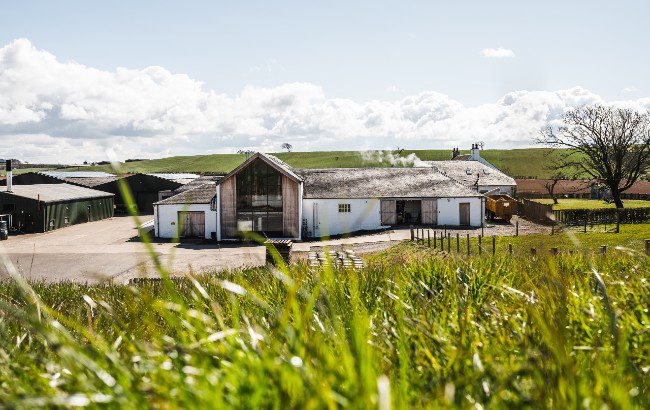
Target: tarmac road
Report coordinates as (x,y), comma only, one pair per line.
(109,250)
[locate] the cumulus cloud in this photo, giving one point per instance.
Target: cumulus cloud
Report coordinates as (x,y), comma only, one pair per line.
(497,52)
(54,111)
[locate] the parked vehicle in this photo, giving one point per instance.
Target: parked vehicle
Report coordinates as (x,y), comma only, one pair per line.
(500,207)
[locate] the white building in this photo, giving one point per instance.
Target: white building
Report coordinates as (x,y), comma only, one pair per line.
(266,196)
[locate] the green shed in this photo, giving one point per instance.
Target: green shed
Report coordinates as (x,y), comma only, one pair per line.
(45,207)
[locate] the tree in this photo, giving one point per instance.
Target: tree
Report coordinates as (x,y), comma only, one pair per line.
(610,145)
(550,185)
(287,146)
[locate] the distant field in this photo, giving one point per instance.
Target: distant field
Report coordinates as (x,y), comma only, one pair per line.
(570,203)
(528,162)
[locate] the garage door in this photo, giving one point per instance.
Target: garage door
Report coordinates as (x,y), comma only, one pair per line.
(192,224)
(388,212)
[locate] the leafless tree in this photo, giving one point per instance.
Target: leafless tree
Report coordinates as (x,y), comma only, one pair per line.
(550,184)
(610,145)
(287,146)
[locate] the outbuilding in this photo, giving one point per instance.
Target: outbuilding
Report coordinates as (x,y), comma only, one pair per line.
(45,207)
(189,214)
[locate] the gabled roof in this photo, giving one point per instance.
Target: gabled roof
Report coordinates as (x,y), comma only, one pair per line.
(468,172)
(273,161)
(55,192)
(381,183)
(201,194)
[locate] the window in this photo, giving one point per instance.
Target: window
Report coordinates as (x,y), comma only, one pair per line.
(259,199)
(344,208)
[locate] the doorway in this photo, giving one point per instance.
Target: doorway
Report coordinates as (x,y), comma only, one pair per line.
(408,211)
(463,208)
(191,224)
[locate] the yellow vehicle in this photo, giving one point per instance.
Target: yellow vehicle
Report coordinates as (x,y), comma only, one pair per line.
(500,207)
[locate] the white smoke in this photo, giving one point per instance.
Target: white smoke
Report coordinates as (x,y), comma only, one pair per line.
(394,160)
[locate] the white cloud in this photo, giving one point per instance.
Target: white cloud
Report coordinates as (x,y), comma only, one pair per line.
(497,52)
(53,111)
(630,90)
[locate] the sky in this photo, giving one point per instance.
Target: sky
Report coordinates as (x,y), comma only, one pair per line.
(91,80)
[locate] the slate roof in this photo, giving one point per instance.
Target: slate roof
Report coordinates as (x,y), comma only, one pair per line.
(55,192)
(204,179)
(466,172)
(201,194)
(75,174)
(91,182)
(381,183)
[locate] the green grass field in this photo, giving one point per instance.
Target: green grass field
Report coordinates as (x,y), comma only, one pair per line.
(518,162)
(414,329)
(573,203)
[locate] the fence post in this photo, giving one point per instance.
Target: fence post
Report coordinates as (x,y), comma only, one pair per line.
(412,234)
(457,243)
(449,242)
(618,221)
(435,242)
(554,251)
(468,251)
(442,242)
(479,244)
(552,229)
(586,220)
(533,251)
(494,245)
(510,248)
(603,249)
(517,227)
(647,247)
(428,238)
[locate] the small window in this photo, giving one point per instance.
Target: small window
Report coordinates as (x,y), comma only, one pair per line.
(344,208)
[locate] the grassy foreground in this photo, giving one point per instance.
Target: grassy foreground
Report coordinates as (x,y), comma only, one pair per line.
(527,162)
(574,203)
(414,329)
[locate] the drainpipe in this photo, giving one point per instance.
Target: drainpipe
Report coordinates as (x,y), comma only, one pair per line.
(218,212)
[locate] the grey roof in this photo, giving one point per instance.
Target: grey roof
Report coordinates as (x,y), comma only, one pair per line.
(202,194)
(76,174)
(467,172)
(56,192)
(380,183)
(91,182)
(204,179)
(180,177)
(273,161)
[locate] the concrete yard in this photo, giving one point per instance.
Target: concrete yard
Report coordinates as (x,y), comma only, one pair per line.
(110,250)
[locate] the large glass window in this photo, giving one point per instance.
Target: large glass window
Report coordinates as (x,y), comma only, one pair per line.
(259,199)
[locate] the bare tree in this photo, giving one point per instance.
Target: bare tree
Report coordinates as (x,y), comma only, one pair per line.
(610,145)
(550,184)
(287,146)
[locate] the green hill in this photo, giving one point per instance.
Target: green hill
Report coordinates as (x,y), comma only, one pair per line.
(527,162)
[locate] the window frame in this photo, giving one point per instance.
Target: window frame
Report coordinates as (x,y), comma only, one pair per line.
(345,208)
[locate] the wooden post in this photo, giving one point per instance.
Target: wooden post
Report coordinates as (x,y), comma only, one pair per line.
(457,243)
(517,228)
(449,242)
(468,250)
(479,244)
(618,221)
(435,242)
(482,232)
(585,225)
(552,229)
(428,238)
(603,249)
(554,251)
(412,234)
(510,248)
(494,245)
(533,251)
(442,242)
(647,247)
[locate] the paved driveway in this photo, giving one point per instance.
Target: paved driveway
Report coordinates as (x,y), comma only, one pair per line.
(110,250)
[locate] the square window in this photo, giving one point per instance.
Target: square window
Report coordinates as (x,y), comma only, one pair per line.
(344,208)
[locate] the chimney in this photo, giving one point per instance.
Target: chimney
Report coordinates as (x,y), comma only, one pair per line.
(475,154)
(454,153)
(9,175)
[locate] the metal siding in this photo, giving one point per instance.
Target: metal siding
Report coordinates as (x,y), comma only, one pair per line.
(229,207)
(290,217)
(430,211)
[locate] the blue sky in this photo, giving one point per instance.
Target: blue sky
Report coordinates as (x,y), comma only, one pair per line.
(358,51)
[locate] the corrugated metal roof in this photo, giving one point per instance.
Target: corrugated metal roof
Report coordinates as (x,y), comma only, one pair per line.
(468,172)
(91,182)
(76,174)
(55,192)
(202,194)
(174,176)
(381,183)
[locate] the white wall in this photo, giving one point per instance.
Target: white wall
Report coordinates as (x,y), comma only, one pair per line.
(166,219)
(364,215)
(449,211)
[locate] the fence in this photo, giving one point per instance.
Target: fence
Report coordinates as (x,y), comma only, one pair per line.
(573,217)
(535,210)
(448,242)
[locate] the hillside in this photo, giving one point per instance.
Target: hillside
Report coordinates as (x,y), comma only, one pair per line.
(528,162)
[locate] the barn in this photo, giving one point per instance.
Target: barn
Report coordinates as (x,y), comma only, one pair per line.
(266,196)
(188,214)
(45,207)
(477,176)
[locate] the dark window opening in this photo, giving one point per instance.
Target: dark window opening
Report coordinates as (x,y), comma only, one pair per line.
(259,200)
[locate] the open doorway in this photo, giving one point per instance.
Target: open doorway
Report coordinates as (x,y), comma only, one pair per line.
(408,211)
